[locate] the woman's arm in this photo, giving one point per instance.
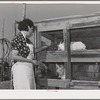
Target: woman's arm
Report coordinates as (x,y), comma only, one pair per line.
(40,49)
(16,57)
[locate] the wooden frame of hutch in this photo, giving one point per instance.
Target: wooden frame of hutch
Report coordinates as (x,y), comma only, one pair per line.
(67,26)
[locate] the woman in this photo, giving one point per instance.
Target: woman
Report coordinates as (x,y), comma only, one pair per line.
(23,56)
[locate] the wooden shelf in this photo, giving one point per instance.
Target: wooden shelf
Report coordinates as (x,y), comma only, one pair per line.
(54,82)
(76,56)
(85,59)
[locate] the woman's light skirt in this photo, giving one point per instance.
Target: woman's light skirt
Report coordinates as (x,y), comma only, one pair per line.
(23,76)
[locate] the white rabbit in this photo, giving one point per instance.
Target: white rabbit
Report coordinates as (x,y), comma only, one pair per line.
(60,71)
(73,46)
(77,45)
(61,46)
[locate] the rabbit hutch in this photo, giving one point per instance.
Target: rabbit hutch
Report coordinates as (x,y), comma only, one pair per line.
(67,68)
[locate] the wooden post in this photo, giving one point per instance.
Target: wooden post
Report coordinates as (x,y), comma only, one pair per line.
(35,38)
(14,28)
(38,39)
(35,44)
(2,68)
(67,65)
(24,11)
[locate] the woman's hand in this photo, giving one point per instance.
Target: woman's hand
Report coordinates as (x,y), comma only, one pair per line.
(41,49)
(45,47)
(35,62)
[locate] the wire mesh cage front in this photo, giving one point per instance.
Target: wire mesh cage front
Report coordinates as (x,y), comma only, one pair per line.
(86,71)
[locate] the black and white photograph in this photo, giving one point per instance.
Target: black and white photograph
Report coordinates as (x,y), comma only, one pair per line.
(49,46)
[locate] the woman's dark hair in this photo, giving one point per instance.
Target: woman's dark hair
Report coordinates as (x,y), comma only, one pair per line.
(23,25)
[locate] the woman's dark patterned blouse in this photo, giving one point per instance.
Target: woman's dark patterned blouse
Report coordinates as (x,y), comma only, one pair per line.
(19,43)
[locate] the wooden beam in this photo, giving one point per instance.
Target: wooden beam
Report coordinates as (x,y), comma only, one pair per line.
(56,57)
(73,60)
(49,27)
(43,82)
(54,83)
(95,52)
(84,83)
(76,56)
(67,64)
(97,14)
(35,37)
(38,39)
(85,59)
(61,24)
(85,27)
